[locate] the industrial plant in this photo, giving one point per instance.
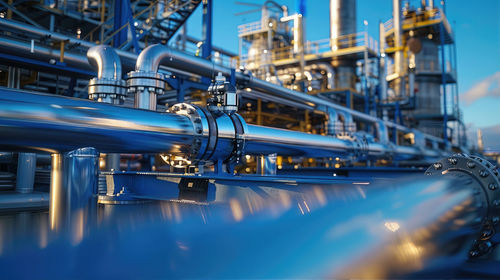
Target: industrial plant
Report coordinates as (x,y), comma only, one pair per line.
(130,149)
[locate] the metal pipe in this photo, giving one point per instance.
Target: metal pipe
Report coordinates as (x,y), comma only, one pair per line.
(261,140)
(26,167)
(17,201)
(52,124)
(180,62)
(73,188)
(106,61)
(340,231)
(75,123)
(398,45)
(23,49)
(108,86)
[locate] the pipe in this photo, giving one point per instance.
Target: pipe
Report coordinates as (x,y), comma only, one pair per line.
(52,124)
(261,140)
(330,73)
(398,45)
(108,87)
(26,167)
(6,157)
(73,188)
(33,121)
(17,201)
(183,63)
(106,61)
(328,231)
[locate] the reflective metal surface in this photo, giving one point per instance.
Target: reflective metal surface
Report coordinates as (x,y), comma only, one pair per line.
(106,61)
(53,124)
(73,189)
(263,140)
(26,166)
(322,231)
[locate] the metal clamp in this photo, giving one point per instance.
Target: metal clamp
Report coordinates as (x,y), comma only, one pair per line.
(240,127)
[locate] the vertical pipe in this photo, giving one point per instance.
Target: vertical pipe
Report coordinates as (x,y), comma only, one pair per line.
(398,45)
(73,188)
(383,71)
(26,166)
(145,99)
(443,83)
(206,48)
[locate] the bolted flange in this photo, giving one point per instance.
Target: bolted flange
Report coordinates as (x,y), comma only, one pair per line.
(140,80)
(201,137)
(100,89)
(487,177)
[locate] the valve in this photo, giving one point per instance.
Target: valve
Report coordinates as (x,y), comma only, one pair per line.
(223,97)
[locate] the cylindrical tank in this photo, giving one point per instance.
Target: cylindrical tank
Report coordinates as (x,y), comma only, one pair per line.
(428,95)
(342,20)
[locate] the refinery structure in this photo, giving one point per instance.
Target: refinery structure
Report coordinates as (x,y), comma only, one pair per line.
(167,156)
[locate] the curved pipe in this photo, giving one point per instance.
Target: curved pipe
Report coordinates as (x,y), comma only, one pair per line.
(106,61)
(327,68)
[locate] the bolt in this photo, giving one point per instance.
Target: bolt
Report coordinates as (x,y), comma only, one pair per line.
(199,130)
(483,173)
(197,120)
(495,220)
(492,186)
(453,160)
(438,165)
(496,202)
(474,253)
(428,173)
(471,164)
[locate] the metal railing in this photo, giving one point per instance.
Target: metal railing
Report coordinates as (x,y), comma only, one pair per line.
(341,43)
(419,17)
(249,27)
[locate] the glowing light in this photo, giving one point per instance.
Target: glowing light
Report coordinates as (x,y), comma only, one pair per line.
(236,210)
(392,226)
(248,157)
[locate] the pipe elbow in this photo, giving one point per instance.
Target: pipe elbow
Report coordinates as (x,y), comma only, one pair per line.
(106,61)
(150,58)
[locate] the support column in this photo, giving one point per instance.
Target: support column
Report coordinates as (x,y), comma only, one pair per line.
(73,191)
(26,166)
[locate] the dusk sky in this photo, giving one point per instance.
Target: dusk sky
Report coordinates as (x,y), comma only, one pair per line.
(477,32)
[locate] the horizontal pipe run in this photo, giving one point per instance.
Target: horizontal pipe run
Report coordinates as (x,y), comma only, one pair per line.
(181,62)
(56,124)
(17,201)
(314,232)
(263,140)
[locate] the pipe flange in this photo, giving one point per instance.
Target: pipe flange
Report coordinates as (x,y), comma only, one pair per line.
(360,147)
(485,173)
(138,81)
(101,88)
(201,132)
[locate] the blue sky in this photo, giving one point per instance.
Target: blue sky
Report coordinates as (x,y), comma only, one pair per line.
(476,25)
